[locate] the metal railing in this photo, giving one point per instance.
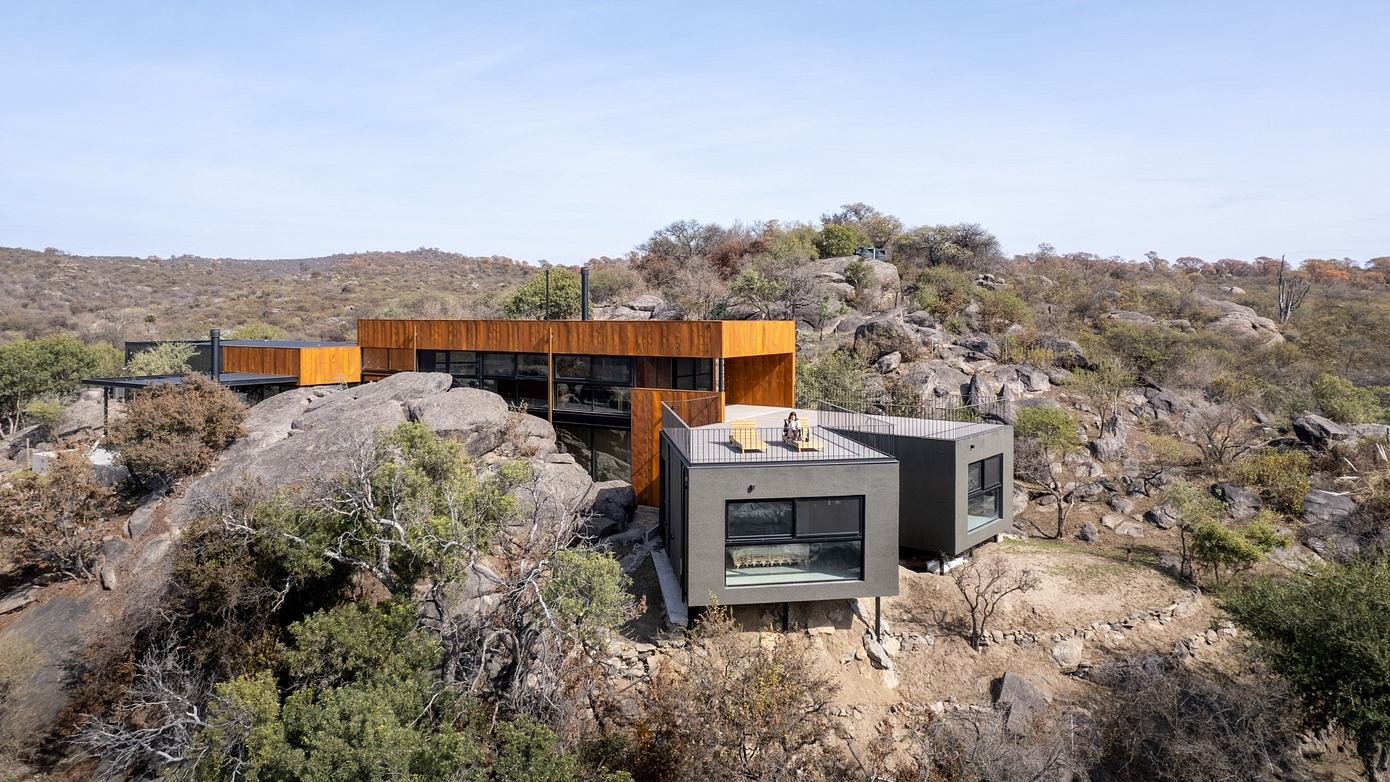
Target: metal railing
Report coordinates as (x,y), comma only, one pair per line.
(729,443)
(936,417)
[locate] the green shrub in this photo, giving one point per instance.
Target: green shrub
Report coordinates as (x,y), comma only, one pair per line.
(166,358)
(1151,352)
(1221,548)
(258,329)
(1002,308)
(1341,400)
(944,291)
(1327,631)
(529,299)
(49,366)
(1280,475)
(837,241)
(840,375)
(46,413)
(607,284)
(859,274)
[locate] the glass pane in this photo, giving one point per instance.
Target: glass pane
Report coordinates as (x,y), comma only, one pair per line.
(463,362)
(533,394)
(759,519)
(574,439)
(983,508)
(531,365)
(499,364)
(572,366)
(570,396)
(610,369)
(609,400)
(829,517)
(612,455)
(793,562)
(994,467)
(977,476)
(488,385)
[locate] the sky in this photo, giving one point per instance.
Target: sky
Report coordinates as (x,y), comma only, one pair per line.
(569,130)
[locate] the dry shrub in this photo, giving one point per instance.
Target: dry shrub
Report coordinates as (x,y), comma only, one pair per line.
(735,710)
(173,431)
(53,520)
(1159,719)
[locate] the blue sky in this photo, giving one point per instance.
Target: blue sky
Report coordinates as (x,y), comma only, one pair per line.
(571,130)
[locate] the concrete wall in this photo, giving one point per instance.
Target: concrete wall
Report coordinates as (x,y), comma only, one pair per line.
(973,449)
(934,487)
(710,486)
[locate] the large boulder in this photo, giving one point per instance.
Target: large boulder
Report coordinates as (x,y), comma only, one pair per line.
(1127,316)
(884,334)
(1319,432)
(882,287)
(83,416)
(614,502)
(981,345)
(1022,700)
(1325,507)
(1113,440)
(1067,353)
(1241,321)
(935,377)
(474,417)
(1242,502)
(1164,516)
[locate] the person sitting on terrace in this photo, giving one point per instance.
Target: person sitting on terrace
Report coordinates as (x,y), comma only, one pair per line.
(791,428)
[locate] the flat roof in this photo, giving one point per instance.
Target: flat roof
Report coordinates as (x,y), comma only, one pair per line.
(247,343)
(233,379)
(713,443)
(901,426)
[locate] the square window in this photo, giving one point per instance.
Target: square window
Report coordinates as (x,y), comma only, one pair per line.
(835,516)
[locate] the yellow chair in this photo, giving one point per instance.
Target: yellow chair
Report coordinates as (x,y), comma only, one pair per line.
(744,434)
(806,442)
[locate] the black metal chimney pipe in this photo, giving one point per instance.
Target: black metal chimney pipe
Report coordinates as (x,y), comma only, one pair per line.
(215,365)
(584,293)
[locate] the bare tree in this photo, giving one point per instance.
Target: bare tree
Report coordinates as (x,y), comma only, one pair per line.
(1293,289)
(984,585)
(155,724)
(1221,432)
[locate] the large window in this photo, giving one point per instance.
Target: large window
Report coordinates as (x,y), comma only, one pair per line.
(794,541)
(985,502)
(593,384)
(605,452)
(519,378)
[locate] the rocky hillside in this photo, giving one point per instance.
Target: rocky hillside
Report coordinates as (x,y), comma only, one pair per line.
(291,440)
(118,298)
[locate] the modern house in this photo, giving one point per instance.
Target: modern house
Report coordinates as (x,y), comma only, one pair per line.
(693,414)
(601,383)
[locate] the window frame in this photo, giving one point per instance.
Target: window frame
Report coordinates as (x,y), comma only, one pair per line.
(794,536)
(985,488)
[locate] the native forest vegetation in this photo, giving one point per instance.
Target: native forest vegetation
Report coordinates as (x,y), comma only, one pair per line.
(1197,587)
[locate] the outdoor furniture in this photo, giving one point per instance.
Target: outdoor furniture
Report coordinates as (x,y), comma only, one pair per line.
(796,555)
(744,434)
(805,442)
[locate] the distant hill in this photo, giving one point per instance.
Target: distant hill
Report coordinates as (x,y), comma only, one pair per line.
(114,297)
